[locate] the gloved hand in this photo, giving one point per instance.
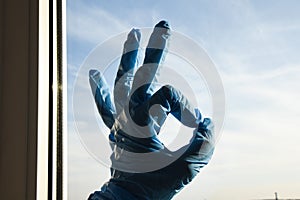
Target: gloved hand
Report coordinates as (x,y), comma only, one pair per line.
(137,114)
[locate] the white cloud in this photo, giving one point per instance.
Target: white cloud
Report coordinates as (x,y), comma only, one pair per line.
(85,174)
(90,24)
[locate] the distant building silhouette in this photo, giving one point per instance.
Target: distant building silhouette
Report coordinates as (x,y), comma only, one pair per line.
(276,198)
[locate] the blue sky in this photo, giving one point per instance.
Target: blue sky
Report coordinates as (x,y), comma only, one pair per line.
(254,45)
